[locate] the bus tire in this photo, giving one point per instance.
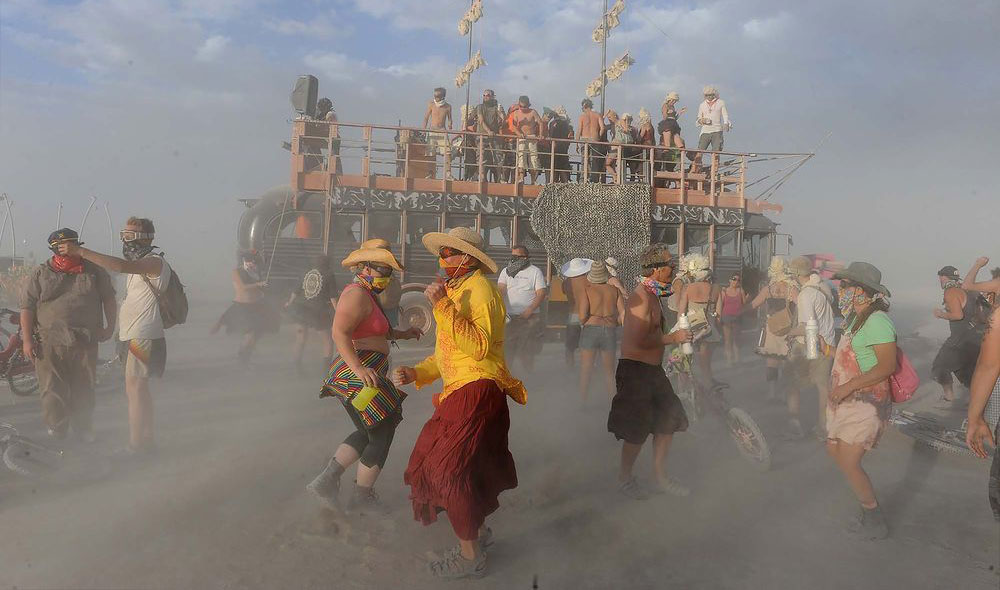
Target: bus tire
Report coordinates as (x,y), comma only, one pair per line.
(415,312)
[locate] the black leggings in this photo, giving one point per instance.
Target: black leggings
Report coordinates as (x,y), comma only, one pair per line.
(373,445)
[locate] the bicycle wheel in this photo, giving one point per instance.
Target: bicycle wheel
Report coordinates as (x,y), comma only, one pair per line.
(24,384)
(42,463)
(749,439)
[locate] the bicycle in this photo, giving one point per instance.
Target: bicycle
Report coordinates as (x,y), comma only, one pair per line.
(699,400)
(15,368)
(929,432)
(36,461)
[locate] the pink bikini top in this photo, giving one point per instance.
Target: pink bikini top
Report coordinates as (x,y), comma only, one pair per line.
(376,324)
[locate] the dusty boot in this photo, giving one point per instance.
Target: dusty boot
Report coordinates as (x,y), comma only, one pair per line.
(326,485)
(870,524)
(366,501)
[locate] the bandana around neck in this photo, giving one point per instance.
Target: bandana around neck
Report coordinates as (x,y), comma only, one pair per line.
(66,264)
(656,287)
(516,265)
(950,284)
(439,102)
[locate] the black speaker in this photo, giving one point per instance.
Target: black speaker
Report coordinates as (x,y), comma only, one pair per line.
(304,95)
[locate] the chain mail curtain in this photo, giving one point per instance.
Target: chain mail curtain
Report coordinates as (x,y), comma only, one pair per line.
(590,220)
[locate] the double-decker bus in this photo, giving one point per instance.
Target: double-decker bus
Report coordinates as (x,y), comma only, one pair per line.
(354,181)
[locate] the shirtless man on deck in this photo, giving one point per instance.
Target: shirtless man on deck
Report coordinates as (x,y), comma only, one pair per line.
(645,402)
(601,309)
(438,115)
(592,128)
(529,127)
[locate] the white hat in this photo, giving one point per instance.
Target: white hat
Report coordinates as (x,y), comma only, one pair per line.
(576,267)
(710,89)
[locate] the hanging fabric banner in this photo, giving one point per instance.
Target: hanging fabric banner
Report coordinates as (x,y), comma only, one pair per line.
(472,15)
(614,71)
(474,64)
(613,21)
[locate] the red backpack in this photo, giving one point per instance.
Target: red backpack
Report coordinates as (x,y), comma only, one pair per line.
(905,381)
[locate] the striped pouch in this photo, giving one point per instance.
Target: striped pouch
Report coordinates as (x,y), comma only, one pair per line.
(342,383)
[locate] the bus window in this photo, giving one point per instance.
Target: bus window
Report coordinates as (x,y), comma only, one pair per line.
(696,239)
(727,241)
(496,231)
(453,221)
(665,234)
(418,261)
(385,225)
(418,224)
(345,229)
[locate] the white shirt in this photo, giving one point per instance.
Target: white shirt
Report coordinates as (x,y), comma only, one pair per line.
(717,113)
(139,314)
(815,302)
(521,288)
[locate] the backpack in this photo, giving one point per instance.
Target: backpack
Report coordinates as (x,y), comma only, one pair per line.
(172,301)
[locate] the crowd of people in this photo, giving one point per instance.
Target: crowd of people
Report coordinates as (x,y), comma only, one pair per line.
(839,339)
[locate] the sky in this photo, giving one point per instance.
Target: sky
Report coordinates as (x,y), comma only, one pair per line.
(174,109)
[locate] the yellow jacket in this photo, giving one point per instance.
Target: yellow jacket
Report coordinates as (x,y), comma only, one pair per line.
(470,330)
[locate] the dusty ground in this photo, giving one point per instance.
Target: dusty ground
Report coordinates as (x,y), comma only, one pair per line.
(223,505)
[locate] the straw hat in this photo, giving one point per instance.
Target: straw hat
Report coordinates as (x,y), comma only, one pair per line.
(612,263)
(376,255)
(463,239)
(375,243)
(598,273)
(575,267)
(864,274)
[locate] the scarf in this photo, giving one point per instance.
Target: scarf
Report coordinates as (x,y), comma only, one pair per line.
(951,283)
(656,287)
(66,264)
(373,284)
(516,265)
(439,102)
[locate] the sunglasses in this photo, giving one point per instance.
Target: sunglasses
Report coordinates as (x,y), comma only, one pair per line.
(448,252)
(131,235)
(670,263)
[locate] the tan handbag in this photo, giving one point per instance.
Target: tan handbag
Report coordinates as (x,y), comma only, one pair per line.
(781,322)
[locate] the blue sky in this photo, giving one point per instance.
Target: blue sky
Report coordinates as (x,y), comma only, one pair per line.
(174,109)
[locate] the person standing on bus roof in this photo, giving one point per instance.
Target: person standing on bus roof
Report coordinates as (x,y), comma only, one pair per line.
(438,118)
(523,286)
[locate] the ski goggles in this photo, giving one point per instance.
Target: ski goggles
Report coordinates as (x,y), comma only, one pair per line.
(131,235)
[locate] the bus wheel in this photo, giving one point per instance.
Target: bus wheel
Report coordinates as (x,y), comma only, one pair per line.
(416,312)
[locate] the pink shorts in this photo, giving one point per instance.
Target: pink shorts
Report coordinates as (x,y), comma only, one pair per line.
(854,422)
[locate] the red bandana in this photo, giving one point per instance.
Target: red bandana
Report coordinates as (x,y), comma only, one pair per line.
(66,264)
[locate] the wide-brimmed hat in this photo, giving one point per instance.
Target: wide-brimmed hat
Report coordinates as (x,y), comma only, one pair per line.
(612,263)
(376,243)
(575,267)
(463,239)
(864,274)
(598,273)
(376,255)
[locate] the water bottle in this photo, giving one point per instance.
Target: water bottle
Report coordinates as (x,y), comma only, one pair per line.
(812,340)
(364,397)
(684,324)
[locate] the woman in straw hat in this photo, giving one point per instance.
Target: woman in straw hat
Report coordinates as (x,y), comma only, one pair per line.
(460,462)
(358,377)
(394,292)
(860,402)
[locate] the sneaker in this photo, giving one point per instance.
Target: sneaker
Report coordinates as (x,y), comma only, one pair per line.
(631,489)
(671,487)
(485,542)
(456,567)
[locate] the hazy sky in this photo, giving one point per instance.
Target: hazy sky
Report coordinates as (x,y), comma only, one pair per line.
(174,109)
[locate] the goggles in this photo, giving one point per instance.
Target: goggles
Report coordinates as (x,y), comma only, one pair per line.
(671,263)
(131,235)
(382,269)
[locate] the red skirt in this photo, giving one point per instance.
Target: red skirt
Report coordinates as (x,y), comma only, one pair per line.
(460,462)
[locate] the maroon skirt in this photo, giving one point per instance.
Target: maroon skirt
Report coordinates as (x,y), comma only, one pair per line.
(460,462)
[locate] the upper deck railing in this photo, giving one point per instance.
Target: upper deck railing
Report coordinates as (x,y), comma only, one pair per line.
(329,154)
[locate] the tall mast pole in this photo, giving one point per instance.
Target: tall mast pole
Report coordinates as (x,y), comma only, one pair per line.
(468,85)
(604,54)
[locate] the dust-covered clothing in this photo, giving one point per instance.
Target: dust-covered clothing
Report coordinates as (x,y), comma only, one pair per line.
(139,314)
(66,376)
(645,403)
(522,288)
(68,307)
(861,418)
(523,337)
(461,463)
(959,353)
(599,338)
(145,357)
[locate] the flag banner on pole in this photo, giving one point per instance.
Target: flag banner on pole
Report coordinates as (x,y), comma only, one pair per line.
(613,21)
(472,15)
(614,71)
(473,64)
